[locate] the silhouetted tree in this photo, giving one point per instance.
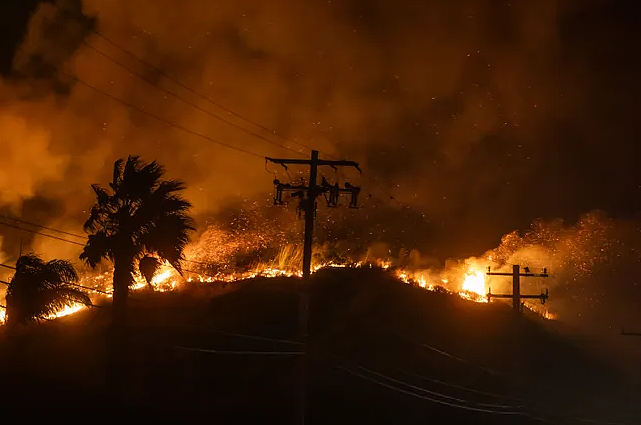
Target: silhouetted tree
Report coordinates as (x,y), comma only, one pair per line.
(148,267)
(38,289)
(141,215)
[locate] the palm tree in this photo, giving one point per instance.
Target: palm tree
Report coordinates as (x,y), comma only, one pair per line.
(141,215)
(148,267)
(39,289)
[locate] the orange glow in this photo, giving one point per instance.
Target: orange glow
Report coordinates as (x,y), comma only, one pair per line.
(474,282)
(67,311)
(474,286)
(466,279)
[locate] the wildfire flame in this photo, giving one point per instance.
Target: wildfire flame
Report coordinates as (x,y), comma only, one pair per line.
(474,282)
(66,311)
(216,251)
(473,286)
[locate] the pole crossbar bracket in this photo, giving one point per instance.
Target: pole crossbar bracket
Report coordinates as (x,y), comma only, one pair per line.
(516,294)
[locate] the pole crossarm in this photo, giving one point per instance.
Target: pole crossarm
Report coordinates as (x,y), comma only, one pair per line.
(331,163)
(516,295)
(543,297)
(520,274)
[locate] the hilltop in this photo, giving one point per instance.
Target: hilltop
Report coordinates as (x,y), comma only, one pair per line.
(380,352)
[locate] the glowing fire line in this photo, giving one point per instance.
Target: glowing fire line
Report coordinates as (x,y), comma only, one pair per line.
(473,286)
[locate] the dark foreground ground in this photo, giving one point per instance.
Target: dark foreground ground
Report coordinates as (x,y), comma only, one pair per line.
(380,352)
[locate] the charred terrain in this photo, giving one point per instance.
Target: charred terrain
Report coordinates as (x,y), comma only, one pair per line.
(380,351)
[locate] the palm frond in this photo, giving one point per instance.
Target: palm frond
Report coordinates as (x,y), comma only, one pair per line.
(38,289)
(159,205)
(132,184)
(98,246)
(168,237)
(103,196)
(58,271)
(148,267)
(149,174)
(93,222)
(27,262)
(170,186)
(117,174)
(55,299)
(64,296)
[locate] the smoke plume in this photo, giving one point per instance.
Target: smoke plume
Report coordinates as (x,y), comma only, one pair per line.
(470,118)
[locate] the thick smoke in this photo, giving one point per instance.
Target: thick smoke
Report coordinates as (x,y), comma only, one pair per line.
(470,118)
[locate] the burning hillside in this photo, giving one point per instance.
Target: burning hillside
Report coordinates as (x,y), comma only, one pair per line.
(225,255)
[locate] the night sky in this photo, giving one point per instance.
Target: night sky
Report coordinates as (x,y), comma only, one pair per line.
(471,118)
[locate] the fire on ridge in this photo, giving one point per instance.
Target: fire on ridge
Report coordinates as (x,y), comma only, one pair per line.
(473,284)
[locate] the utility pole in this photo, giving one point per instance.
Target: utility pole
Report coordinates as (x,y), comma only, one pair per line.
(516,295)
(307,204)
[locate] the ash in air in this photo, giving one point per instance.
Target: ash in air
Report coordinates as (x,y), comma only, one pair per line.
(470,119)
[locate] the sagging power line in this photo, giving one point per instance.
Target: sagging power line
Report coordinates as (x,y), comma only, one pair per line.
(414,393)
(41,234)
(43,227)
(149,114)
(185,101)
(66,283)
(79,244)
(163,74)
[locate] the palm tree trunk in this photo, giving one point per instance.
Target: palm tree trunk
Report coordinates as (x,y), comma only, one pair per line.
(122,279)
(117,350)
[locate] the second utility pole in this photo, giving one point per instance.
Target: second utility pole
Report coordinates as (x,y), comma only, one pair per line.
(516,294)
(308,197)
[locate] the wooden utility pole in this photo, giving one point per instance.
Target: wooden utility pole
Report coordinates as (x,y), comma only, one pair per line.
(307,197)
(516,294)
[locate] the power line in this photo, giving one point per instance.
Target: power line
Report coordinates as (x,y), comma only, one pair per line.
(66,283)
(452,356)
(496,373)
(421,389)
(40,233)
(43,227)
(264,353)
(461,387)
(187,102)
(156,117)
(72,242)
(433,400)
(89,289)
(258,338)
(75,243)
(177,82)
